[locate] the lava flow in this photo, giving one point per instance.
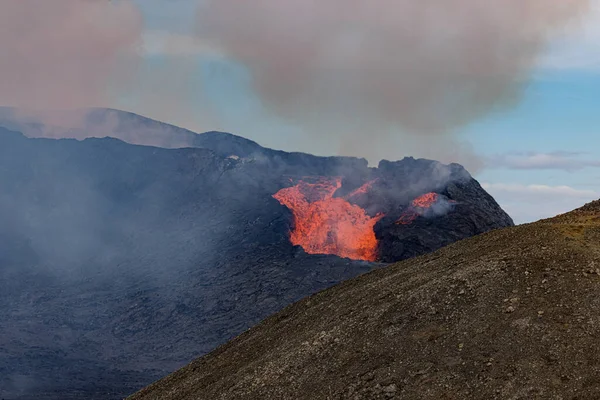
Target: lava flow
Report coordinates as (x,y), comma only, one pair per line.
(363,190)
(426,200)
(417,207)
(328,225)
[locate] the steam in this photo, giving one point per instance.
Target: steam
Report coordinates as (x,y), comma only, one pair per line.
(359,72)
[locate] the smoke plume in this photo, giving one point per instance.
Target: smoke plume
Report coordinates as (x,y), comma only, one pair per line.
(377,79)
(362,71)
(60,57)
(66,53)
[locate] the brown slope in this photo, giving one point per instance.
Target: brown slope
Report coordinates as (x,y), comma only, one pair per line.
(512,314)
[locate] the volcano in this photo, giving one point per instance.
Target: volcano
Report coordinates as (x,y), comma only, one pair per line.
(120,263)
(510,314)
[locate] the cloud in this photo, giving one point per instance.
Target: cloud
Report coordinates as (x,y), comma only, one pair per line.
(527,203)
(579,49)
(66,53)
(530,191)
(558,160)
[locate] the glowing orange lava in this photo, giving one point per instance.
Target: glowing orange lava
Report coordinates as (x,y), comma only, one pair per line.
(364,189)
(425,201)
(418,205)
(328,225)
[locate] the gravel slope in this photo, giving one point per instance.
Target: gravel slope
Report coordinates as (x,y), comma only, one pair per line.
(511,314)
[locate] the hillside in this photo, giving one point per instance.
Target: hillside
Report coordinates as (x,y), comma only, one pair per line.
(511,314)
(120,263)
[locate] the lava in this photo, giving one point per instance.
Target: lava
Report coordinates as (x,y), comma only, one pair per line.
(407,217)
(363,190)
(417,208)
(325,224)
(426,200)
(328,225)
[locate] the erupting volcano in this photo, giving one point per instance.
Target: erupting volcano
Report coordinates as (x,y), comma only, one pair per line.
(328,225)
(220,194)
(324,224)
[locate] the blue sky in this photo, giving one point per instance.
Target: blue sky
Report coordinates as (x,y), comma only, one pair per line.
(541,157)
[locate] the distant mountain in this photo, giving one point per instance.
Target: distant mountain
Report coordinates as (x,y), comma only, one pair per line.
(120,263)
(95,122)
(511,314)
(136,129)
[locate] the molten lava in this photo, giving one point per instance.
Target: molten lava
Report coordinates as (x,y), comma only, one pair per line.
(363,190)
(328,225)
(417,208)
(425,201)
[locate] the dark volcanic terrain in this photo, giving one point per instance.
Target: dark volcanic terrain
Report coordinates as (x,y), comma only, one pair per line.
(511,314)
(121,263)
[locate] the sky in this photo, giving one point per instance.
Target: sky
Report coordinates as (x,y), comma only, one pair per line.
(538,154)
(543,156)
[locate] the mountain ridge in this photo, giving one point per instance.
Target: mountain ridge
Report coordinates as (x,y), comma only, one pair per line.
(109,122)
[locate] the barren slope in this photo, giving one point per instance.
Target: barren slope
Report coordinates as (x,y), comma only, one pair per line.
(511,314)
(120,263)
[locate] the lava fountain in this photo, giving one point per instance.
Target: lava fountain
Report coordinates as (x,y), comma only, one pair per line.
(328,225)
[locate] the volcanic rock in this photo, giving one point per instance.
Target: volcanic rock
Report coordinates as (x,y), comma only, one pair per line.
(121,263)
(407,327)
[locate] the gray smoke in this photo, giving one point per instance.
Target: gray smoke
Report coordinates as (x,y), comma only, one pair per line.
(360,73)
(61,57)
(377,79)
(66,53)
